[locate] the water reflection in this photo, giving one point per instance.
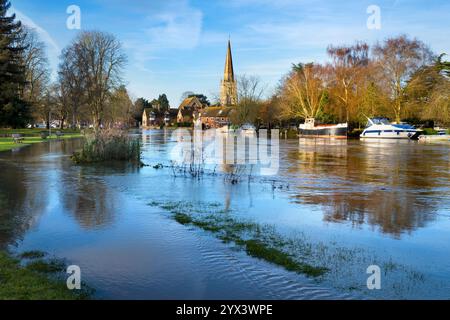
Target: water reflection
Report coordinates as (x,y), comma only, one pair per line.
(397,186)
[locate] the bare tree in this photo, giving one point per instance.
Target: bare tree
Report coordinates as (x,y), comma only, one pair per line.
(303,92)
(37,72)
(399,58)
(250,92)
(348,66)
(98,60)
(71,86)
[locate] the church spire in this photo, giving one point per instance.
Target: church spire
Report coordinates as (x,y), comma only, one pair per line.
(228,94)
(229,70)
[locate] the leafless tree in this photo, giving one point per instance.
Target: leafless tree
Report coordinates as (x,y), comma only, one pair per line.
(250,93)
(37,71)
(97,59)
(399,58)
(304,92)
(348,67)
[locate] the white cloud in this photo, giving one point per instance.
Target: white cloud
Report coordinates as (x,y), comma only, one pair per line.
(176,26)
(53,48)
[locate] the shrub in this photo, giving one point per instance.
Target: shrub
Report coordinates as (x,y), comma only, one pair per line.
(109,145)
(429,131)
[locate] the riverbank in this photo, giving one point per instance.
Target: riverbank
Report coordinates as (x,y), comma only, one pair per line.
(31,276)
(29,139)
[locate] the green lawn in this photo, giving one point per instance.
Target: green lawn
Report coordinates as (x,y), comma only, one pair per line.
(8,143)
(35,132)
(32,277)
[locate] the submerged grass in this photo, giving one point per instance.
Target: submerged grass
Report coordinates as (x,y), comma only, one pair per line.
(343,267)
(34,254)
(257,241)
(37,280)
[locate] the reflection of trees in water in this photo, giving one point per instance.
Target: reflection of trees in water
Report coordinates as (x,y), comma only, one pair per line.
(37,176)
(396,186)
(87,199)
(20,206)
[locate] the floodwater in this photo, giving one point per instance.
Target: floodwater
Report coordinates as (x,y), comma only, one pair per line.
(357,203)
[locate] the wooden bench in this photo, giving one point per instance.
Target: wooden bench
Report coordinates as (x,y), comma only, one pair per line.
(17,138)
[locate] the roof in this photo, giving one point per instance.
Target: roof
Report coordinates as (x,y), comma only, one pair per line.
(189,102)
(216,112)
(148,111)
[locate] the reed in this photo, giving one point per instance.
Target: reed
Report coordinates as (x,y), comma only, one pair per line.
(109,145)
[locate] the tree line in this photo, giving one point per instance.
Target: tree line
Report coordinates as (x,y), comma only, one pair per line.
(399,78)
(88,89)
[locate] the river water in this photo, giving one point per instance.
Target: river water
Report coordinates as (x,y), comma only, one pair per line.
(357,203)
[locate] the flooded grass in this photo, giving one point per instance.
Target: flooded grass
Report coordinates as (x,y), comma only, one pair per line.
(257,249)
(34,254)
(44,266)
(247,235)
(35,281)
(343,267)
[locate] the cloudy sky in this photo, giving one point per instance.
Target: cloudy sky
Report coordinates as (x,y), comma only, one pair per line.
(175,46)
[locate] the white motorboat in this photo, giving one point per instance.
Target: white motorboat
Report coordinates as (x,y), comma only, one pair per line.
(381,128)
(248,129)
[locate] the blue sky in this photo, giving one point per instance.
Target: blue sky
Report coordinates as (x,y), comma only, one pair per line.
(175,46)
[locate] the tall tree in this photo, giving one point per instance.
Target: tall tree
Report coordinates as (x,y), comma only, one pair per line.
(99,61)
(250,92)
(349,64)
(120,108)
(163,102)
(13,110)
(37,71)
(72,86)
(303,92)
(138,108)
(399,58)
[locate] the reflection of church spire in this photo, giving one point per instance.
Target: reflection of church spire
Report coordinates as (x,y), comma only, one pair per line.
(228,94)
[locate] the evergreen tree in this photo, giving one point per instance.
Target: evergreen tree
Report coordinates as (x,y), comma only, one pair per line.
(163,102)
(13,111)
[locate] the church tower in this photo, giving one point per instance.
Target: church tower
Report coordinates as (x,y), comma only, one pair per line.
(228,92)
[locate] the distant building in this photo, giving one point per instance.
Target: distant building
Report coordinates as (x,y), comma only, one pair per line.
(187,109)
(228,92)
(170,117)
(216,117)
(148,118)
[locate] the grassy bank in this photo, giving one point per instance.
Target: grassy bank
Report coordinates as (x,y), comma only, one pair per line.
(9,144)
(31,276)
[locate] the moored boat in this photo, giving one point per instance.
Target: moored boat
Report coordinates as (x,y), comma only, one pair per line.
(381,128)
(310,129)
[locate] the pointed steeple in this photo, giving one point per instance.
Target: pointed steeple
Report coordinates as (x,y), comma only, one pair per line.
(229,70)
(228,92)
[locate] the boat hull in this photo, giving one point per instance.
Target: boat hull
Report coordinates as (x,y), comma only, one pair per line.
(392,135)
(331,132)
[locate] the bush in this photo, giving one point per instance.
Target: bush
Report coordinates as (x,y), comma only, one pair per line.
(429,131)
(109,145)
